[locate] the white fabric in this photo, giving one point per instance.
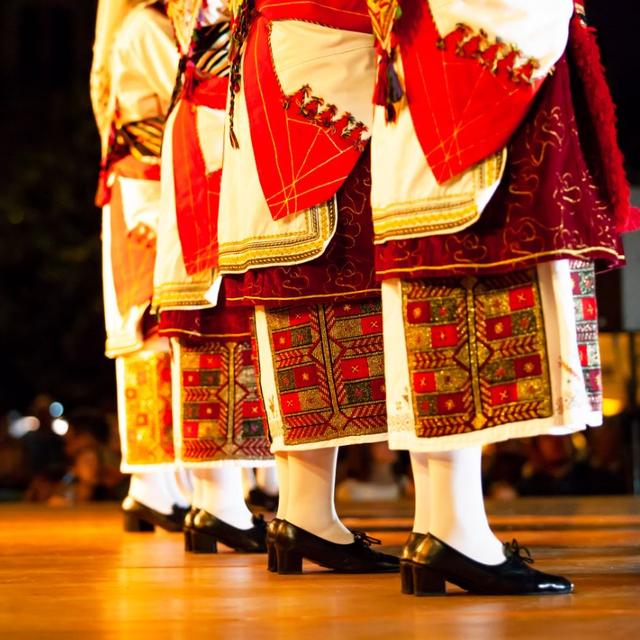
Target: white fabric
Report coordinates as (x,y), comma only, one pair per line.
(144,65)
(155,344)
(140,202)
(220,493)
(571,408)
(109,17)
(173,288)
(213,12)
(338,65)
(255,236)
(143,68)
(273,412)
(539,29)
(406,199)
(124,333)
(311,503)
(152,489)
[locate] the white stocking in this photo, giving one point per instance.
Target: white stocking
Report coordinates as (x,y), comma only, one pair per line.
(420,468)
(179,488)
(458,515)
(267,480)
(310,503)
(152,490)
(282,467)
(220,493)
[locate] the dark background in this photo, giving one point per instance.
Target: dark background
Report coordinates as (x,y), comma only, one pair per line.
(51,326)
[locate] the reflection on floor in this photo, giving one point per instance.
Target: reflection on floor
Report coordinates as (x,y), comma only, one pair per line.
(74,573)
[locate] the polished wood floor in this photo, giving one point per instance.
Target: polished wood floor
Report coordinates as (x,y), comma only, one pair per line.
(73,573)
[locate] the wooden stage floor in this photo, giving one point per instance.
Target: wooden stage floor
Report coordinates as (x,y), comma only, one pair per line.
(73,573)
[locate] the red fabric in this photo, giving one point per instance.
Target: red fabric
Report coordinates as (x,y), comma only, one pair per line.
(345,270)
(456,128)
(351,15)
(197,192)
(201,325)
(586,57)
(548,206)
(132,262)
(304,149)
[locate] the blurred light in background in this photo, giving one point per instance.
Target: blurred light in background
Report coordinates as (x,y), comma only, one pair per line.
(60,426)
(21,425)
(56,409)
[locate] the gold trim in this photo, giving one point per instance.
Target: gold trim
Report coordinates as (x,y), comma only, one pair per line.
(231,389)
(453,212)
(293,298)
(184,332)
(466,265)
(264,251)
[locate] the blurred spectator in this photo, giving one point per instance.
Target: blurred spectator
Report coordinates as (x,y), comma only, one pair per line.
(45,460)
(93,473)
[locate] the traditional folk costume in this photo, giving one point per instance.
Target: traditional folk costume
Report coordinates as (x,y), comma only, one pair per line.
(132,79)
(218,415)
(296,165)
(497,186)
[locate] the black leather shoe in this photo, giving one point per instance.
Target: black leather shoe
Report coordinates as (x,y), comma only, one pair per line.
(188,527)
(293,544)
(406,566)
(435,562)
(207,531)
(260,499)
(272,533)
(139,517)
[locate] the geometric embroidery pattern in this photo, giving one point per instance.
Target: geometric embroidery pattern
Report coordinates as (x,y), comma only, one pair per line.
(329,369)
(147,390)
(586,309)
(222,415)
(477,352)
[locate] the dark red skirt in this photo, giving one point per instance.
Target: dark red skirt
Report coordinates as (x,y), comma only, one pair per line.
(343,272)
(554,201)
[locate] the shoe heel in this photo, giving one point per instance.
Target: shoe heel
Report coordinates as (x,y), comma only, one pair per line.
(289,562)
(188,544)
(134,524)
(202,543)
(272,558)
(406,577)
(427,583)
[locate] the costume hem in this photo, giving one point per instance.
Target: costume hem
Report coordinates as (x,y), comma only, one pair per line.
(278,444)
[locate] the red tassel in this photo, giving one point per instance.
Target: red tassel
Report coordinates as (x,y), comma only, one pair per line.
(586,57)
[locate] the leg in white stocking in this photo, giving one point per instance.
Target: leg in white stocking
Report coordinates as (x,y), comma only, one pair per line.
(181,494)
(458,515)
(267,480)
(420,468)
(152,490)
(282,467)
(310,501)
(221,494)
